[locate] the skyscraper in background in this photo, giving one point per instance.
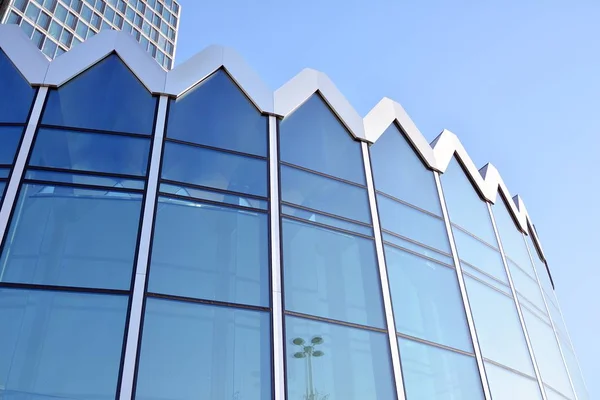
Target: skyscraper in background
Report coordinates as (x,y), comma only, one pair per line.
(57,25)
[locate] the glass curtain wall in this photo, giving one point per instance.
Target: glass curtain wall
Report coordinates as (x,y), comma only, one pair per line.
(336,346)
(436,350)
(67,259)
(508,364)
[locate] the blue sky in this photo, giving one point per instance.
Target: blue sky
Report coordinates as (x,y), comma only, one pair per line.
(517,81)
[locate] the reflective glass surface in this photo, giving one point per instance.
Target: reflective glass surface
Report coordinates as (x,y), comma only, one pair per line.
(574,371)
(478,254)
(14,108)
(331,274)
(314,138)
(426,300)
(410,245)
(341,362)
(60,344)
(498,327)
(214,169)
(108,97)
(327,220)
(399,172)
(210,252)
(412,223)
(92,152)
(2,187)
(507,385)
(324,194)
(465,207)
(210,195)
(527,286)
(199,351)
(217,113)
(83,179)
(433,373)
(71,237)
(10,136)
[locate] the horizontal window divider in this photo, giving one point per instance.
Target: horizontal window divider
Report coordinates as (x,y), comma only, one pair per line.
(485,273)
(92,130)
(285,203)
(87,173)
(325,226)
(418,254)
(212,203)
(206,301)
(417,243)
(210,189)
(6,166)
(506,367)
(486,284)
(334,321)
(520,267)
(83,186)
(434,344)
(532,308)
(220,149)
(312,171)
(548,386)
(397,200)
(13,124)
(58,288)
(463,230)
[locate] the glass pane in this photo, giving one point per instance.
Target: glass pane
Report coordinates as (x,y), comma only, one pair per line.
(469,270)
(413,224)
(498,327)
(426,299)
(214,169)
(327,220)
(574,371)
(67,177)
(507,385)
(60,344)
(14,108)
(107,96)
(10,137)
(314,138)
(92,152)
(72,237)
(413,246)
(331,274)
(399,172)
(433,373)
(193,351)
(210,252)
(217,113)
(181,190)
(479,255)
(465,208)
(324,194)
(328,361)
(2,187)
(527,287)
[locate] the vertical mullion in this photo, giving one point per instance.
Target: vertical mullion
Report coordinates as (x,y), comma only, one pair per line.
(517,303)
(135,316)
(463,290)
(385,287)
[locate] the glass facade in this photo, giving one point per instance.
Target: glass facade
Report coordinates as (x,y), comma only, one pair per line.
(162,247)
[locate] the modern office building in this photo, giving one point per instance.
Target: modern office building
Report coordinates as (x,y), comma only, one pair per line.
(57,25)
(191,234)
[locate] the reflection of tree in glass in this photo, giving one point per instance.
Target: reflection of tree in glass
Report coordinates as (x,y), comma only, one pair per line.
(307,352)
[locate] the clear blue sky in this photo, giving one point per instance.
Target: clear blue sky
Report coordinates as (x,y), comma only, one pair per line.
(517,81)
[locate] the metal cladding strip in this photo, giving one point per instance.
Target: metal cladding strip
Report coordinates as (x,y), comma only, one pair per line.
(385,287)
(135,316)
(276,295)
(463,290)
(562,355)
(12,188)
(517,304)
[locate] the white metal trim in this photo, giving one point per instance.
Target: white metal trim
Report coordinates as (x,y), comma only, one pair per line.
(383,276)
(135,316)
(463,290)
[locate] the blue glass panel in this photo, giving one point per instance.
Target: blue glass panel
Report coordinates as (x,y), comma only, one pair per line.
(227,198)
(4,173)
(478,254)
(413,246)
(426,299)
(526,286)
(399,172)
(574,370)
(324,194)
(210,252)
(92,152)
(340,362)
(2,187)
(413,224)
(434,373)
(107,96)
(314,138)
(72,237)
(465,208)
(469,270)
(193,351)
(10,137)
(67,177)
(60,345)
(331,274)
(498,327)
(324,219)
(14,108)
(507,385)
(216,113)
(214,169)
